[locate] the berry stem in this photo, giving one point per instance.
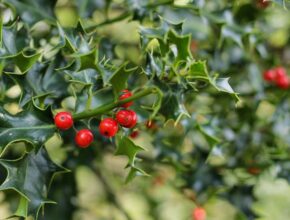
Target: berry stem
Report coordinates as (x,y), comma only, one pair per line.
(107,107)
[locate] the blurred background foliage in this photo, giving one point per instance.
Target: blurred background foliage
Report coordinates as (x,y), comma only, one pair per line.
(231,158)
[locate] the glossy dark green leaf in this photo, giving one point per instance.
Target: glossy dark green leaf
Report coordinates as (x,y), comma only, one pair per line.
(89,60)
(119,79)
(13,40)
(33,11)
(42,81)
(74,40)
(181,44)
(172,107)
(89,99)
(31,176)
(31,125)
(84,77)
(127,148)
(160,32)
(23,62)
(198,70)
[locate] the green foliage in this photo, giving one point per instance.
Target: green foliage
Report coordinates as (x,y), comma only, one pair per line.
(195,70)
(32,126)
(30,176)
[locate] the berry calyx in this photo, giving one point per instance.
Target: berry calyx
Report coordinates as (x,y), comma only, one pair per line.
(108,127)
(126,118)
(269,75)
(84,138)
(63,120)
(199,213)
(126,94)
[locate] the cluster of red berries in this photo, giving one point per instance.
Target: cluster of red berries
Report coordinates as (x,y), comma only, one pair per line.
(278,76)
(108,126)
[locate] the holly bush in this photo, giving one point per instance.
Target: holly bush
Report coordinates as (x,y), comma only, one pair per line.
(166,111)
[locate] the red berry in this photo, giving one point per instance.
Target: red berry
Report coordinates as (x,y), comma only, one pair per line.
(108,127)
(126,118)
(126,94)
(193,46)
(134,118)
(199,214)
(63,120)
(159,180)
(263,3)
(283,82)
(134,134)
(84,138)
(254,170)
(280,72)
(269,75)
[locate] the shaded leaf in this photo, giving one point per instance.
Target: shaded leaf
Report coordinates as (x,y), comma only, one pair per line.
(89,99)
(33,11)
(41,82)
(31,176)
(31,125)
(172,107)
(119,79)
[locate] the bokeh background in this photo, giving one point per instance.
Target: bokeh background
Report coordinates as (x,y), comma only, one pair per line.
(246,177)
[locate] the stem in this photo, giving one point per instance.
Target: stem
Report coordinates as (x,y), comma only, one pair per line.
(107,107)
(109,21)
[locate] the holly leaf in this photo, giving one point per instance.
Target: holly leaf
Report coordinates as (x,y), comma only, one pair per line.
(31,176)
(159,32)
(119,79)
(14,40)
(208,132)
(88,99)
(22,61)
(88,60)
(74,39)
(172,107)
(84,77)
(181,45)
(32,11)
(198,70)
(31,125)
(40,82)
(134,172)
(126,147)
